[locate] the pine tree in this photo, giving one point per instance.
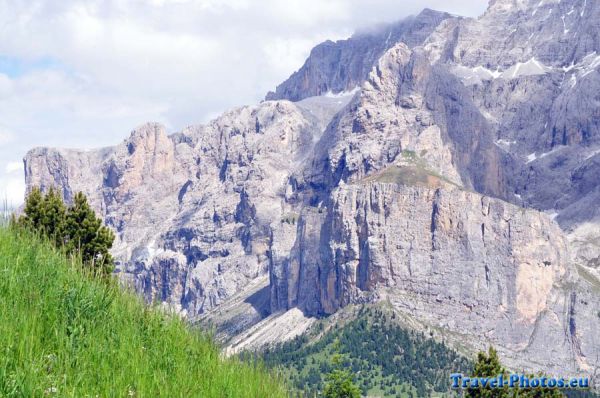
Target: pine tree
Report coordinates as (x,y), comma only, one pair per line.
(75,230)
(32,213)
(52,220)
(45,214)
(488,366)
(340,383)
(87,237)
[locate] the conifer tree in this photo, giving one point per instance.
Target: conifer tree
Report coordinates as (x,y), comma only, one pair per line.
(53,217)
(340,383)
(488,366)
(76,229)
(86,236)
(32,213)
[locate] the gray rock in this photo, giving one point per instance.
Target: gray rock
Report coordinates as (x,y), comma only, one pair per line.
(192,212)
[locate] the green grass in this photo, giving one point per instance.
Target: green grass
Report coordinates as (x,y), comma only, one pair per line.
(65,334)
(406,175)
(413,171)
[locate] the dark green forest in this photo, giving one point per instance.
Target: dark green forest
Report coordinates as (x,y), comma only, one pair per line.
(385,358)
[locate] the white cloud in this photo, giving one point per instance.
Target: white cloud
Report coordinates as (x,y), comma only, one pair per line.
(5,86)
(6,137)
(87,72)
(12,191)
(13,167)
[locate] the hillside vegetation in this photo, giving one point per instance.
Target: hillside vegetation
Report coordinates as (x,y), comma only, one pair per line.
(66,334)
(386,359)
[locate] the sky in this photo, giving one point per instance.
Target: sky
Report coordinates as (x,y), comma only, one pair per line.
(83,74)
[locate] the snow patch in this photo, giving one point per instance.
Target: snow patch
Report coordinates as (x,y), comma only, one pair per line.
(537,7)
(531,157)
(592,154)
(343,94)
(569,68)
(476,75)
(387,40)
(543,155)
(504,144)
(588,64)
(152,250)
(591,62)
(565,30)
(552,213)
(530,68)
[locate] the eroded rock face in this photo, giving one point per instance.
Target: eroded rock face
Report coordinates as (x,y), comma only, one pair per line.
(422,186)
(514,94)
(434,238)
(191,211)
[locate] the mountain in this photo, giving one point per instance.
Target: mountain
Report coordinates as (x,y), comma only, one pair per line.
(446,165)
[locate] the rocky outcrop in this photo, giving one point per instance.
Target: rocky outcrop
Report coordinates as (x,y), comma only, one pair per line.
(514,95)
(431,238)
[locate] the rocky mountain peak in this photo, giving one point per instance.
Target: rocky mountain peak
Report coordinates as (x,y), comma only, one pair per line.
(148,137)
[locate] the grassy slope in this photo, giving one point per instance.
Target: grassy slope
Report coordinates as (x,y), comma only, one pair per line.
(65,334)
(412,171)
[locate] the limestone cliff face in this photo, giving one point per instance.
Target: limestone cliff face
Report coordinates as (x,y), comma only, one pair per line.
(421,183)
(191,211)
(432,239)
(514,95)
(481,269)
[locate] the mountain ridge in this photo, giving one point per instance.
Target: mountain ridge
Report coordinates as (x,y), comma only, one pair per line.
(442,158)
